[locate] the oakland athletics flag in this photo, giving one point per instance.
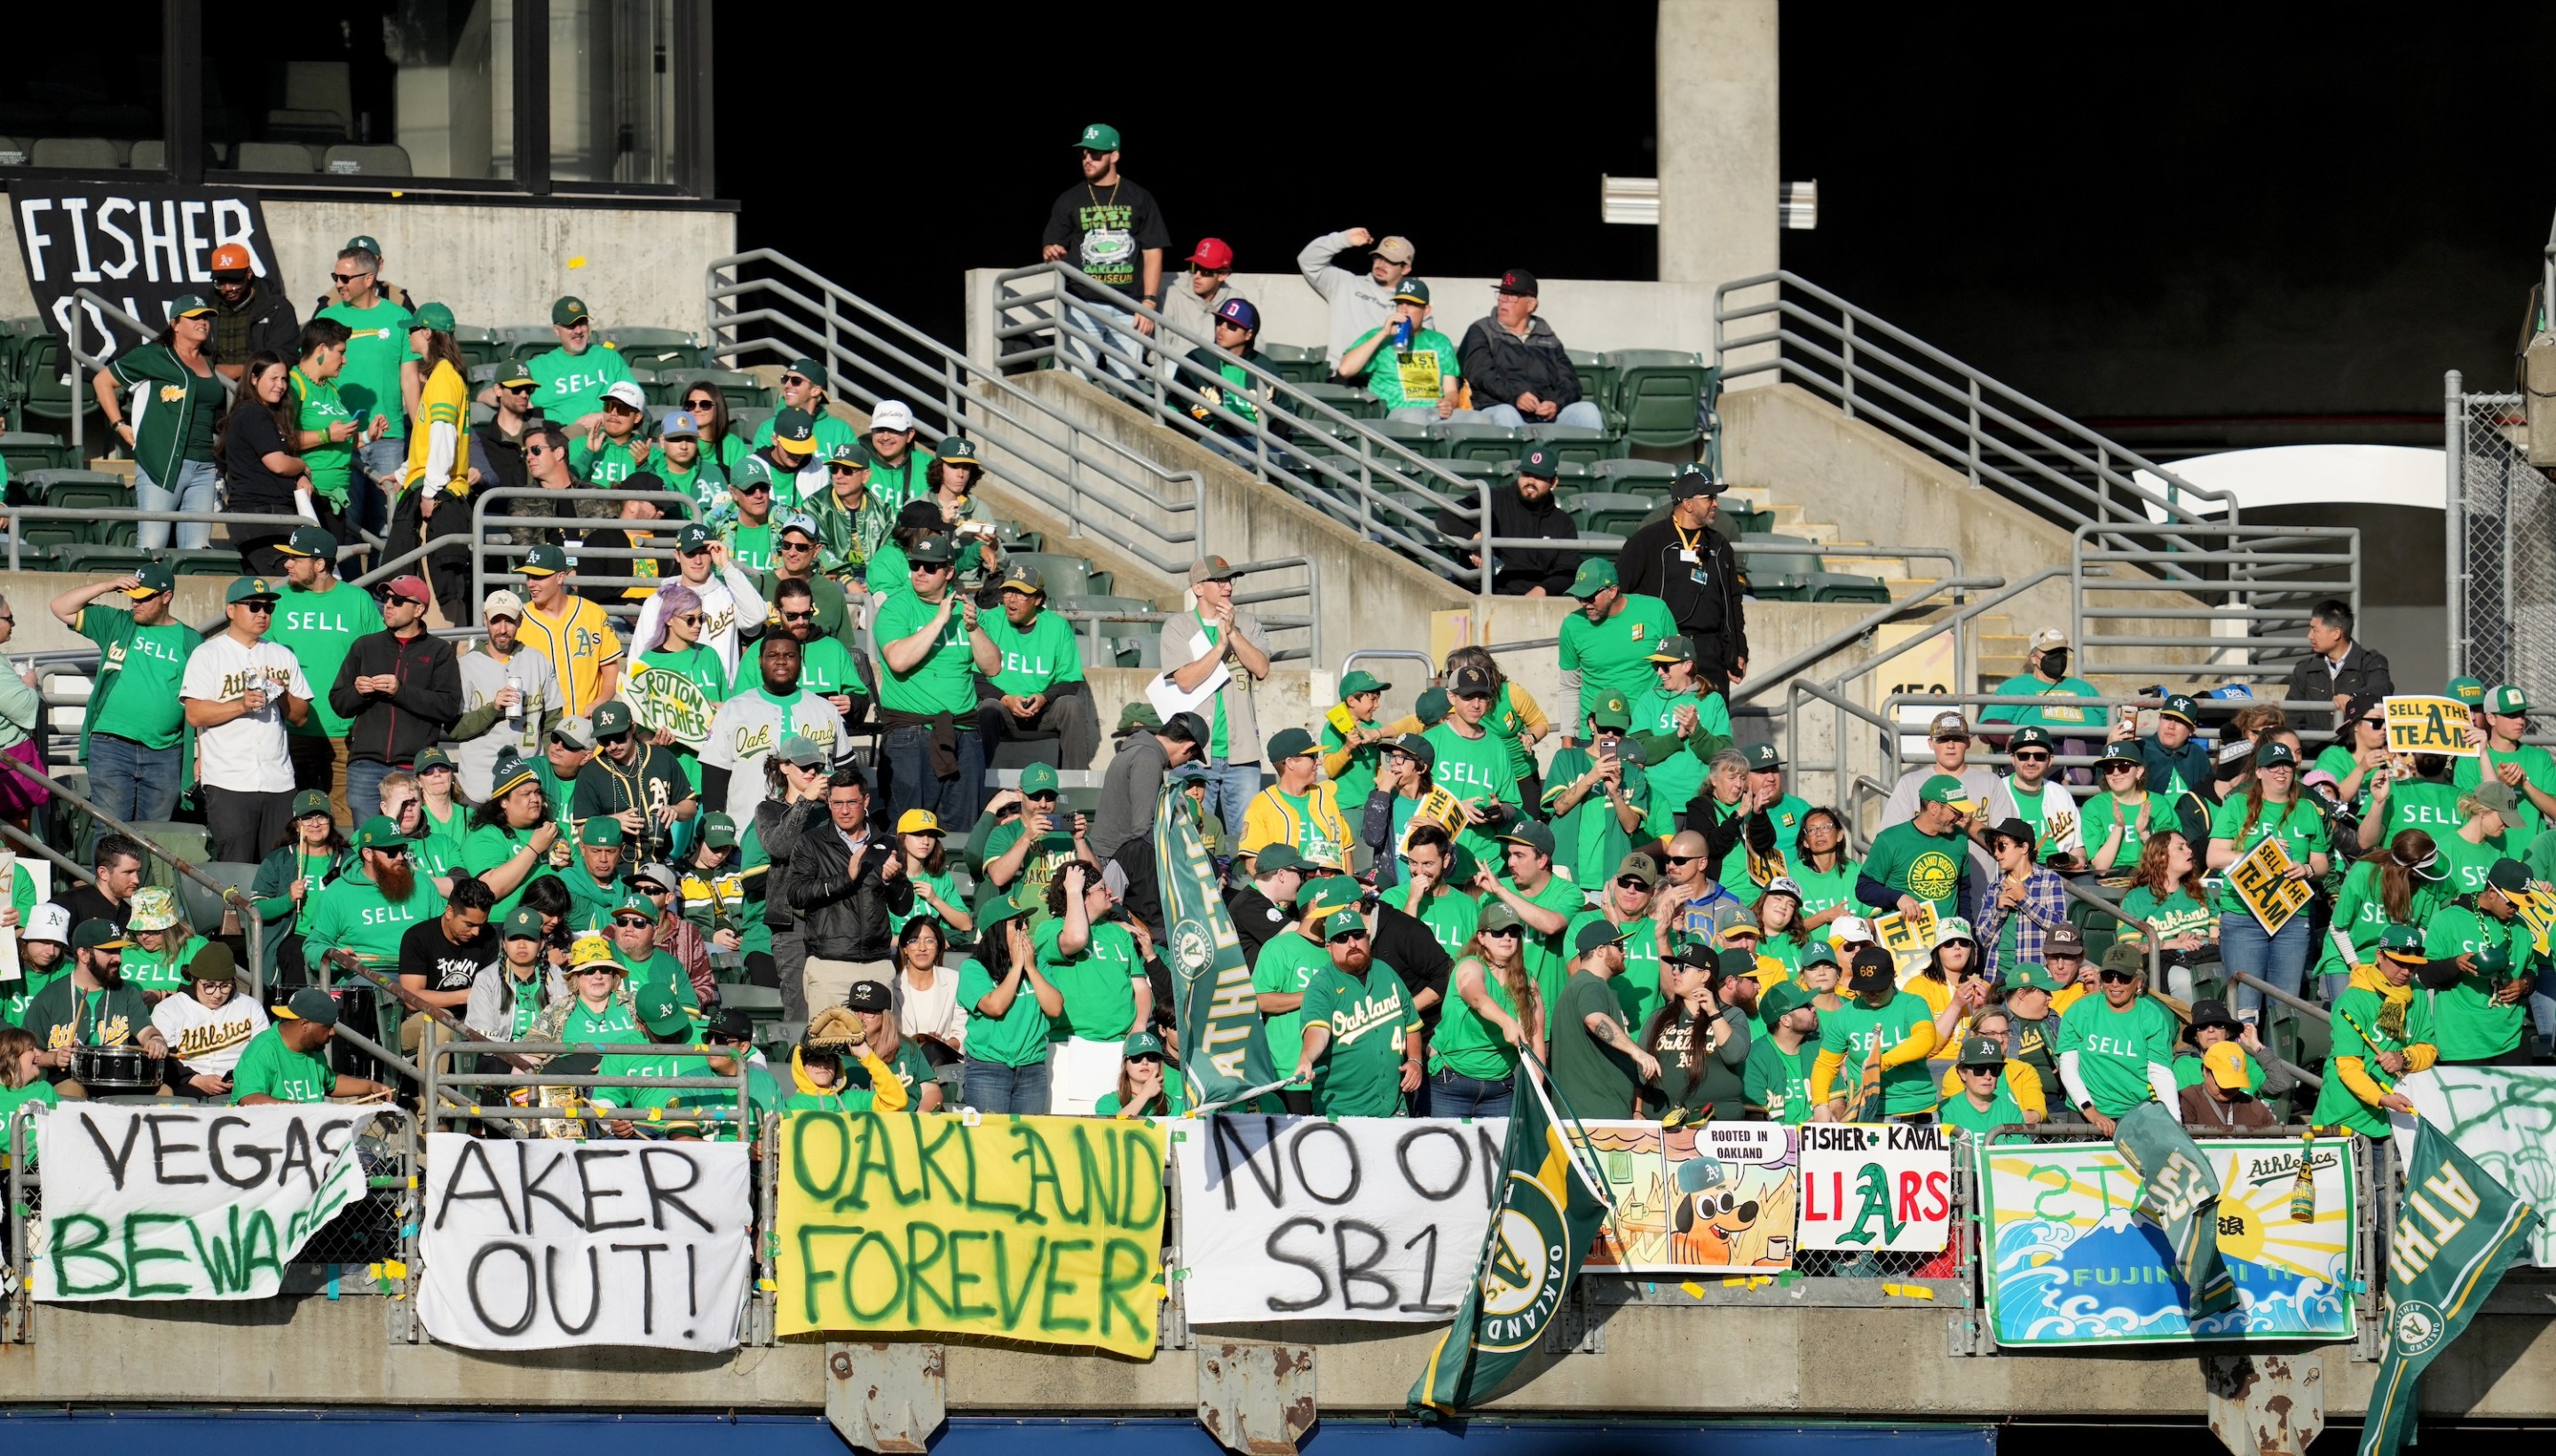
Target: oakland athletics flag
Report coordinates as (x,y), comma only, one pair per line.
(1224,1051)
(1550,1211)
(2455,1233)
(2179,1195)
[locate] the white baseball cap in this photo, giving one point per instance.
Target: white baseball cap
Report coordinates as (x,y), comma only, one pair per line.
(48,921)
(1851,927)
(2048,637)
(502,604)
(623,392)
(892,414)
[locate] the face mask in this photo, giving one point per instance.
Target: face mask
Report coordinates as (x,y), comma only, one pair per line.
(2054,663)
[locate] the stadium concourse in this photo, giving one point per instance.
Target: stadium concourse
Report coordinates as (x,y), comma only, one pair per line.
(686,765)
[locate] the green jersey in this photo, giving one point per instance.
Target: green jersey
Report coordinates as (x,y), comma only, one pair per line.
(1035,660)
(2175,916)
(1356,779)
(1614,656)
(2466,1026)
(1927,866)
(945,681)
(1860,1035)
(269,1068)
(1469,1046)
(1359,1074)
(331,463)
(1098,983)
(139,669)
(568,387)
(1286,966)
(2115,1048)
(178,425)
(1016,1039)
(1676,775)
(1590,837)
(2362,1026)
(943,885)
(1779,1080)
(2299,827)
(321,628)
(369,381)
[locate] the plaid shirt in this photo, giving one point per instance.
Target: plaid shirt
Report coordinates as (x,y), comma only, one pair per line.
(2045,905)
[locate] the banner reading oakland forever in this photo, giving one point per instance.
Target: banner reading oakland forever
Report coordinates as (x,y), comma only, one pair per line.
(1045,1229)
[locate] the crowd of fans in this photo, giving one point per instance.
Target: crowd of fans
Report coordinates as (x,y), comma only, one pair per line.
(537,850)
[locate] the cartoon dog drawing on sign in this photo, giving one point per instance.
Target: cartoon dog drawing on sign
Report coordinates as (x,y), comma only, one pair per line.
(1711,1214)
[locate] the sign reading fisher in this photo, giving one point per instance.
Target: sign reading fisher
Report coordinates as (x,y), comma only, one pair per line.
(186,1203)
(2264,880)
(1874,1186)
(138,246)
(662,700)
(2429,725)
(1044,1229)
(532,1244)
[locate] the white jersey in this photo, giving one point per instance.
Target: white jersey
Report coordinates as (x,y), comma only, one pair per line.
(750,726)
(483,677)
(209,1041)
(731,609)
(247,754)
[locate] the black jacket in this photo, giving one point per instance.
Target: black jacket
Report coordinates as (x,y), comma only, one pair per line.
(1255,918)
(777,823)
(1403,943)
(2362,671)
(272,325)
(1710,611)
(842,915)
(1500,366)
(1518,568)
(395,727)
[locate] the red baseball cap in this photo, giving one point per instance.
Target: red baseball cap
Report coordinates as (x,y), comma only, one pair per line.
(411,588)
(1212,254)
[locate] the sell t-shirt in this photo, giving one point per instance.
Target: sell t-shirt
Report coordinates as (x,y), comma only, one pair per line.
(1927,866)
(371,381)
(1474,768)
(1614,656)
(2299,826)
(1016,1039)
(332,463)
(2104,812)
(247,754)
(1359,1073)
(320,627)
(944,681)
(2467,1025)
(1595,1079)
(1098,985)
(2537,767)
(1035,660)
(568,387)
(139,669)
(1465,1043)
(1548,957)
(1676,776)
(1284,967)
(1779,1081)
(1860,1035)
(491,845)
(2046,704)
(269,1068)
(2115,1047)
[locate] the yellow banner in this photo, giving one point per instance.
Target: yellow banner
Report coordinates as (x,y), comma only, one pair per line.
(2262,881)
(2429,725)
(1043,1229)
(1910,940)
(2537,907)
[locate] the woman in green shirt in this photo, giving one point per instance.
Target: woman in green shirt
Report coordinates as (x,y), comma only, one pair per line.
(2404,882)
(720,443)
(1781,935)
(164,945)
(1825,872)
(2165,892)
(1144,1089)
(1473,1057)
(2116,820)
(171,434)
(1008,1002)
(2269,808)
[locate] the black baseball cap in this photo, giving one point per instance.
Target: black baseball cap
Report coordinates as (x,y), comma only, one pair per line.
(1517,281)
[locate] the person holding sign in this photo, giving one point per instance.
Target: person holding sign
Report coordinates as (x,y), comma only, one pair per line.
(2116,1048)
(2412,791)
(2268,809)
(2381,1031)
(2529,771)
(1880,1041)
(283,1063)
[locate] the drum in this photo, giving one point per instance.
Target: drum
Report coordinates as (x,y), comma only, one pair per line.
(115,1069)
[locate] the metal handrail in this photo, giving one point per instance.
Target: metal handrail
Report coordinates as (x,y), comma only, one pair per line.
(14,514)
(481,548)
(72,345)
(1759,679)
(1975,398)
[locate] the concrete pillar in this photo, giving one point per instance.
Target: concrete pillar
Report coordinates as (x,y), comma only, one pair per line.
(1717,140)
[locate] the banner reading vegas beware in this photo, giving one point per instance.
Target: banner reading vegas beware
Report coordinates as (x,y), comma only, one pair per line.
(1044,1229)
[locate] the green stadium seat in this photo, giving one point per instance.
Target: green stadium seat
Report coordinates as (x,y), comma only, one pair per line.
(1735,522)
(1660,393)
(80,490)
(27,449)
(1467,441)
(662,349)
(1598,376)
(1780,576)
(743,420)
(1101,583)
(1840,586)
(45,396)
(1347,399)
(1012,535)
(1298,363)
(526,339)
(203,563)
(1419,440)
(741,391)
(1635,477)
(1601,513)
(100,561)
(1571,442)
(1066,576)
(192,843)
(37,538)
(479,347)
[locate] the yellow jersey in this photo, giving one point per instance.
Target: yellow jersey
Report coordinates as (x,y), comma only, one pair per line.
(445,400)
(579,643)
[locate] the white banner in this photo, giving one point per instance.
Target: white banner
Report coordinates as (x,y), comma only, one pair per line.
(2502,1117)
(1305,1218)
(1870,1186)
(537,1244)
(185,1202)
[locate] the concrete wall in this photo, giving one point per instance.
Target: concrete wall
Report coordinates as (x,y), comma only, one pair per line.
(1718,121)
(495,265)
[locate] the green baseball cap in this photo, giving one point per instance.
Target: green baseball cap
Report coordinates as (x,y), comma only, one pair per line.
(525,925)
(310,1003)
(1945,788)
(851,453)
(1418,748)
(1291,743)
(1678,649)
(2509,876)
(1431,708)
(610,718)
(1979,1051)
(1413,291)
(935,550)
(1612,711)
(719,831)
(1360,679)
(995,906)
(434,316)
(694,536)
(150,579)
(1024,577)
(1596,574)
(1037,779)
(795,430)
(542,558)
(1600,932)
(310,541)
(600,830)
(190,306)
(1275,857)
(1762,756)
(810,371)
(1497,917)
(1329,893)
(1141,1044)
(957,450)
(1137,715)
(2032,975)
(2507,698)
(1535,834)
(636,902)
(658,1010)
(2402,938)
(1097,137)
(2468,690)
(2177,705)
(515,374)
(431,759)
(569,310)
(310,802)
(1819,953)
(363,243)
(381,831)
(251,589)
(1781,1000)
(2031,735)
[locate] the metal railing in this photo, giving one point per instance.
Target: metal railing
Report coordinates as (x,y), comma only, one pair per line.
(1998,436)
(16,515)
(486,548)
(2260,581)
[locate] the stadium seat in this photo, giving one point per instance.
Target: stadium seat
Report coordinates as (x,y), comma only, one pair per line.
(45,394)
(1012,535)
(192,843)
(209,563)
(1661,395)
(1601,513)
(202,906)
(745,420)
(1634,477)
(1598,376)
(741,391)
(1573,443)
(80,490)
(1066,576)
(381,158)
(479,347)
(1840,586)
(661,349)
(282,157)
(13,151)
(80,152)
(1735,522)
(27,450)
(1780,576)
(90,559)
(526,339)
(1347,399)
(1298,363)
(1469,442)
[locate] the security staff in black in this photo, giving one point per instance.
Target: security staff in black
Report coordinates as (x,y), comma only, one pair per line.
(1685,563)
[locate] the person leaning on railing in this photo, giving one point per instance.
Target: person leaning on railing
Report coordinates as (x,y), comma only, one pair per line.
(2380,1031)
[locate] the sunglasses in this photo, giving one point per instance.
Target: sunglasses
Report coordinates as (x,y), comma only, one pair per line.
(1629,883)
(605,971)
(690,619)
(262,609)
(2033,756)
(349,277)
(797,616)
(535,453)
(1041,799)
(793,379)
(1511,934)
(1344,937)
(655,892)
(606,740)
(845,469)
(700,401)
(925,569)
(2114,978)
(754,488)
(1148,1056)
(632,923)
(391,851)
(2110,768)
(798,546)
(516,388)
(2373,723)
(1090,156)
(1683,859)
(1980,1072)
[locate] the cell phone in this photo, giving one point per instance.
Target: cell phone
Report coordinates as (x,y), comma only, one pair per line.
(2129,712)
(1611,748)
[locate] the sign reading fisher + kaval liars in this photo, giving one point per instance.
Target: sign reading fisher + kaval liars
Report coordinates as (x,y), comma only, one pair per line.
(2069,1262)
(2429,725)
(1697,1199)
(1044,1229)
(662,700)
(2264,880)
(535,1243)
(186,1203)
(1308,1218)
(1872,1188)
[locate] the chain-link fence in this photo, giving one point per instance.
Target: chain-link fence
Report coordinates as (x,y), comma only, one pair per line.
(2501,525)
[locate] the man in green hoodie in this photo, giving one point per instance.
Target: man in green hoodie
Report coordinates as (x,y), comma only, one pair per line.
(372,904)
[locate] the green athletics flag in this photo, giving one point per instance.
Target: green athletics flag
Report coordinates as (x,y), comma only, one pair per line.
(2179,1195)
(1224,1051)
(2457,1232)
(1551,1206)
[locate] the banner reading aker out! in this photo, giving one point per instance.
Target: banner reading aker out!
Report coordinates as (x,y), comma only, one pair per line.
(1045,1229)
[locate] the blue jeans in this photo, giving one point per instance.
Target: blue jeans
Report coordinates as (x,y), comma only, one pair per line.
(198,488)
(1116,329)
(1428,415)
(1579,415)
(1452,1094)
(911,783)
(1230,791)
(2281,958)
(364,788)
(994,1087)
(131,781)
(366,507)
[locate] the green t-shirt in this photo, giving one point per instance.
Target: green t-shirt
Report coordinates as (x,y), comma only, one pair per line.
(2537,767)
(1045,861)
(825,668)
(1858,1033)
(2300,828)
(139,670)
(1016,1039)
(2104,812)
(1175,1103)
(2357,1028)
(943,885)
(1450,916)
(320,627)
(1286,966)
(1747,881)
(269,1068)
(2360,914)
(604,469)
(1927,866)
(1098,985)
(1548,957)
(1779,1082)
(1595,1079)
(350,914)
(1823,888)
(1676,776)
(1474,768)
(1359,1074)
(1358,777)
(1614,656)
(944,681)
(2415,803)
(568,387)
(750,545)
(165,971)
(331,463)
(2466,1026)
(615,1026)
(2049,706)
(700,665)
(2002,1111)
(1589,837)
(1036,660)
(2113,1048)
(491,845)
(1469,1046)
(1414,376)
(371,381)
(2466,865)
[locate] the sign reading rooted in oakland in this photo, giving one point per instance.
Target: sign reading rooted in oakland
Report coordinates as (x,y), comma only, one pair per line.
(1045,1229)
(534,1244)
(186,1203)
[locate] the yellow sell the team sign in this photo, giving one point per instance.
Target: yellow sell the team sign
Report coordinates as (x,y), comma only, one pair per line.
(2429,725)
(1045,1229)
(2263,880)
